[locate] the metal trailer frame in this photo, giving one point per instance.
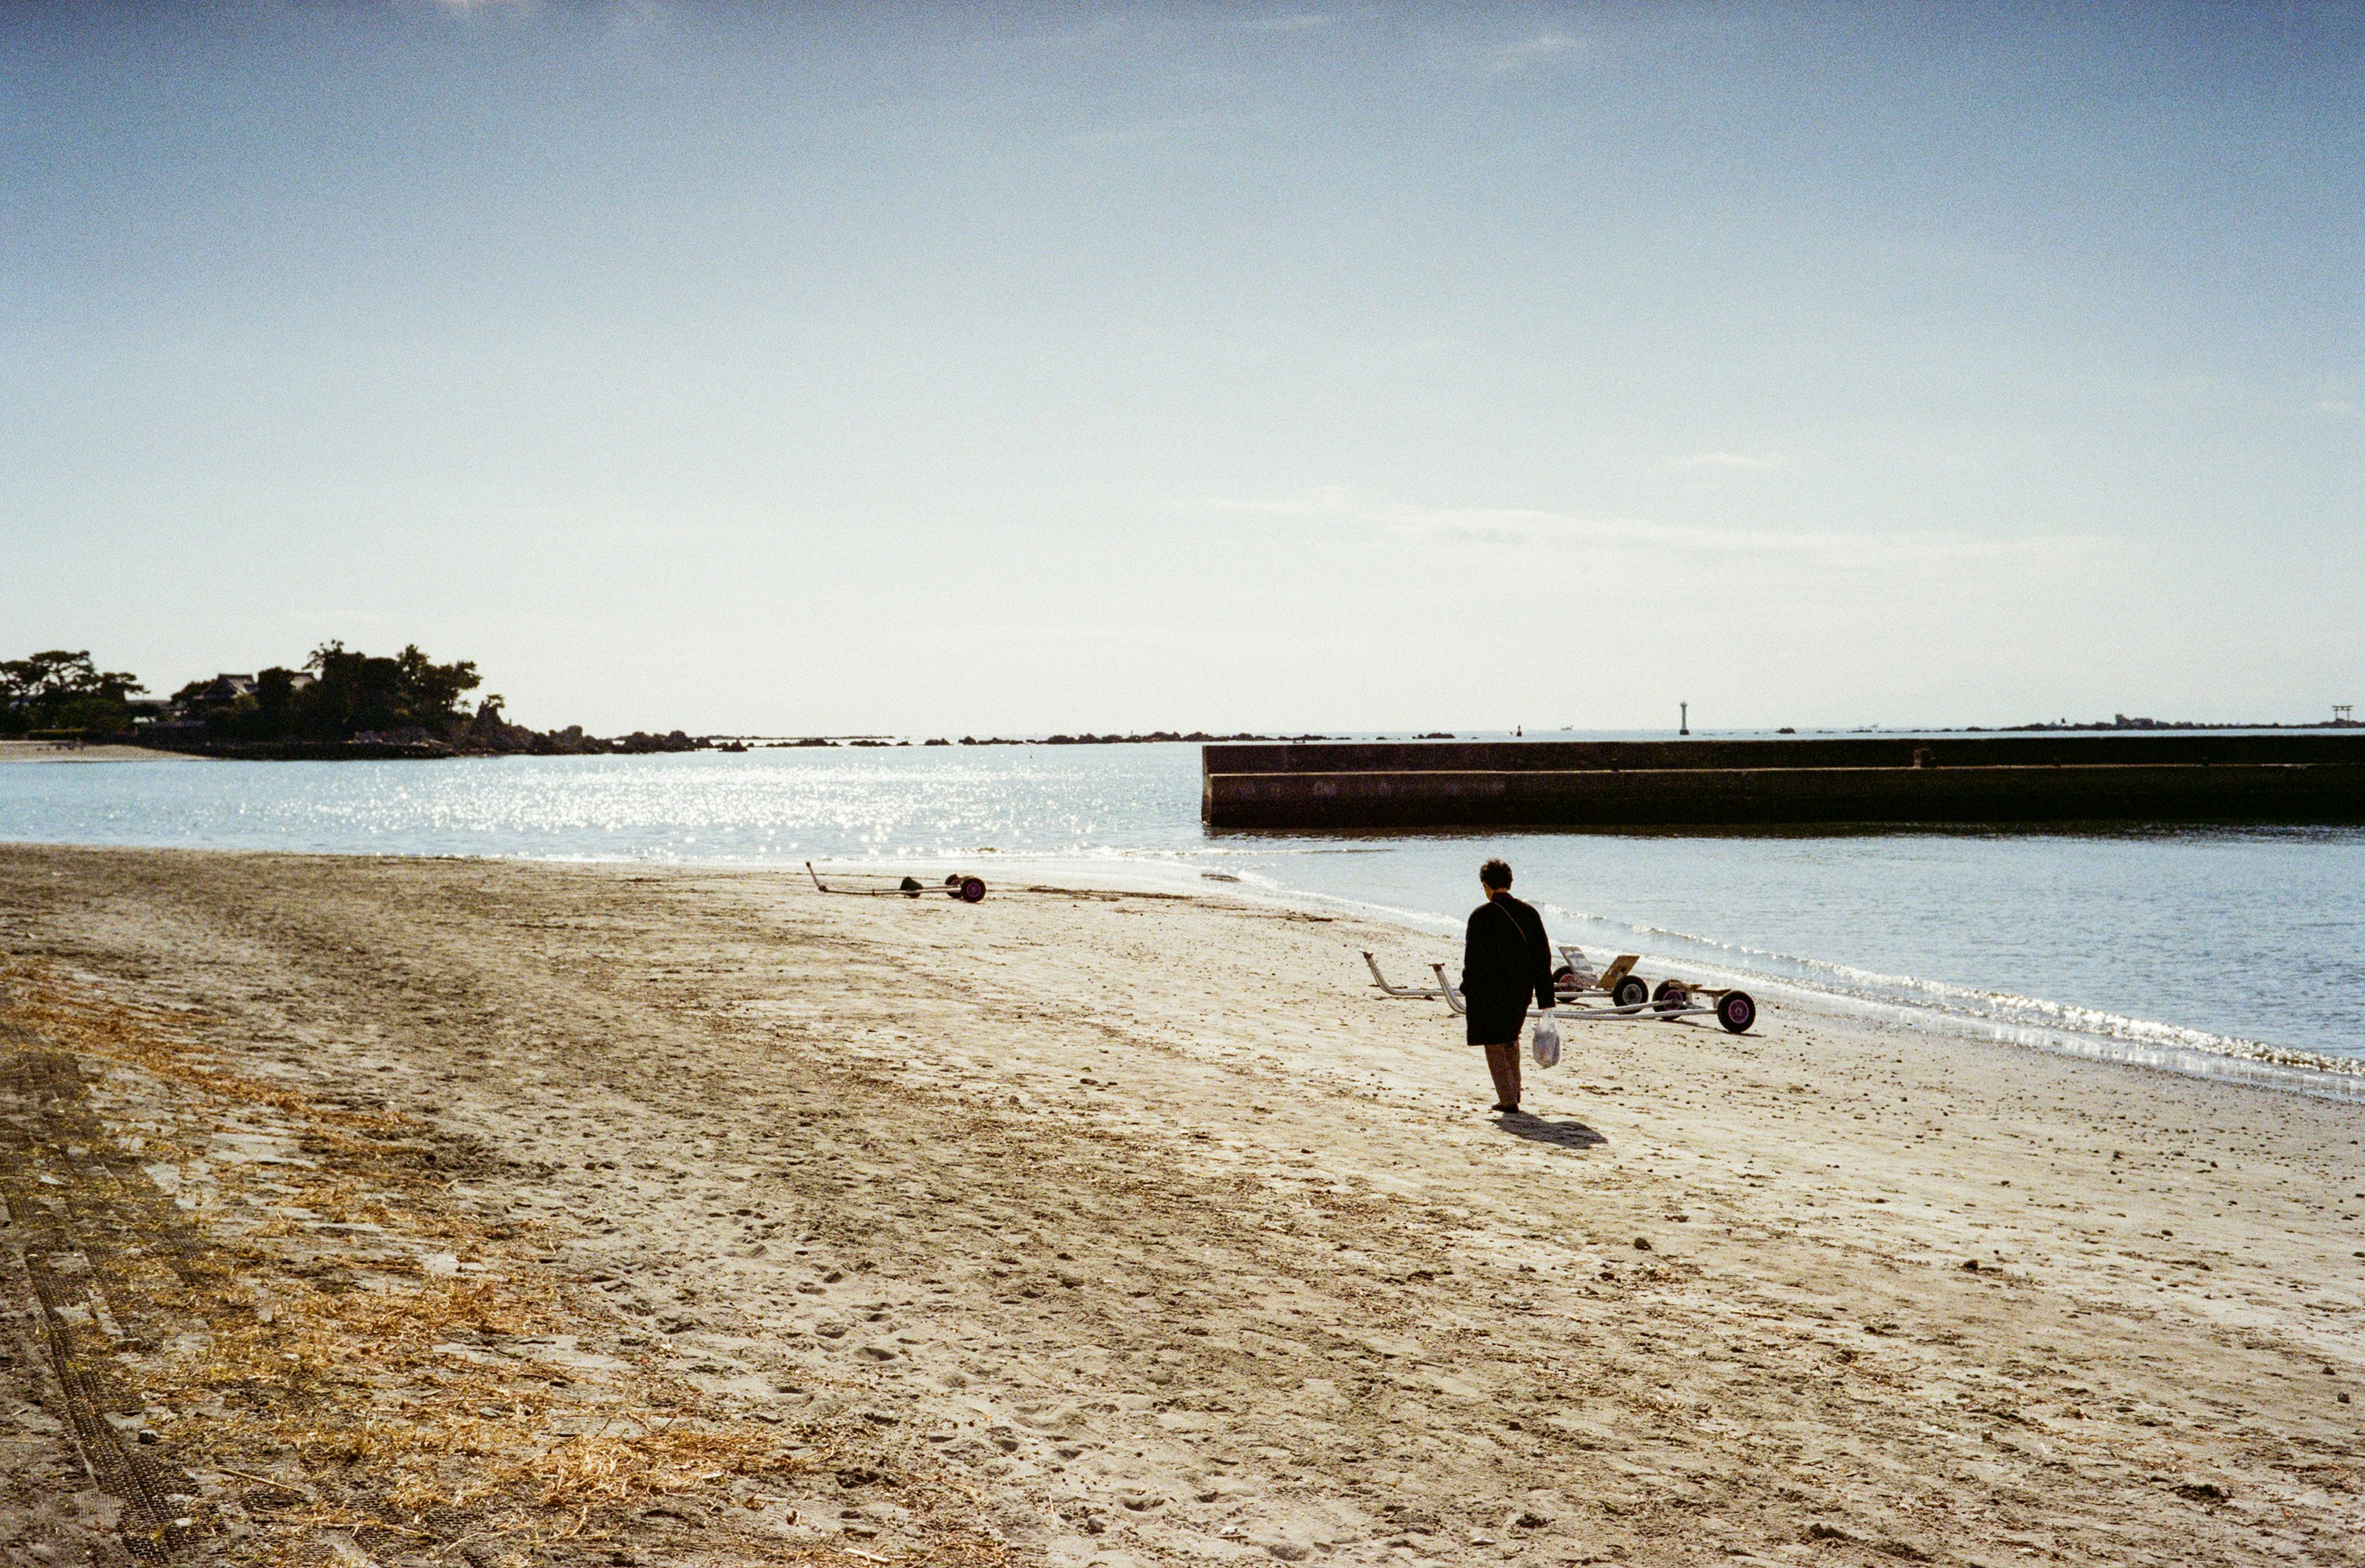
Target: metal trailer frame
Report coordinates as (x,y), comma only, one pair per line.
(1402,992)
(1735,1010)
(1582,979)
(1618,981)
(1618,971)
(964,887)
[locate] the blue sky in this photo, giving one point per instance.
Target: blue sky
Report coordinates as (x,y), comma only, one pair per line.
(946,369)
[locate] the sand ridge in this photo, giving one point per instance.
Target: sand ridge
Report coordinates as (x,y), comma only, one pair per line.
(1145,1220)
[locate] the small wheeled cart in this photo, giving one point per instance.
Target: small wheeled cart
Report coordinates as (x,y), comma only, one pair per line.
(1572,980)
(960,885)
(1615,991)
(1737,1010)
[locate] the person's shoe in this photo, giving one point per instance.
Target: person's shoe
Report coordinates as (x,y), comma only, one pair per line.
(1506,1110)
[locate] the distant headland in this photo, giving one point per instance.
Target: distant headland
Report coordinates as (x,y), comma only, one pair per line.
(340,704)
(343,704)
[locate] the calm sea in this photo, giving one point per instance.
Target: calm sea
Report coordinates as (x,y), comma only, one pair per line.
(2236,954)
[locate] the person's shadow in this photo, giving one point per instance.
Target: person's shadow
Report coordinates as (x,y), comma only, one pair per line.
(1560,1135)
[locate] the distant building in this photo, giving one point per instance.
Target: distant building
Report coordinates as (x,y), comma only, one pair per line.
(227,687)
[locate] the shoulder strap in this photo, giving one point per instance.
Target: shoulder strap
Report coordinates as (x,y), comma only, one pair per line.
(1518,931)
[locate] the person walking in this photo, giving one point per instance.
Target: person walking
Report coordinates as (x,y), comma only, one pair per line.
(1505,963)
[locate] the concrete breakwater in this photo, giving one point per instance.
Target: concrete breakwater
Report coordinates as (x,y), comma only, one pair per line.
(2283,779)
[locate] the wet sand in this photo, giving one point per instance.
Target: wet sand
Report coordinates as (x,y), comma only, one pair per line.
(1082,1227)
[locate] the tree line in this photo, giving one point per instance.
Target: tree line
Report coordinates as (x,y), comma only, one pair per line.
(336,694)
(59,692)
(339,693)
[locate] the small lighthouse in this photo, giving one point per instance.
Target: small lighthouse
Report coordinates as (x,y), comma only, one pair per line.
(1683,724)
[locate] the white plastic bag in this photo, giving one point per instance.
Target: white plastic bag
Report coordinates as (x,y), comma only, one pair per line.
(1545,1044)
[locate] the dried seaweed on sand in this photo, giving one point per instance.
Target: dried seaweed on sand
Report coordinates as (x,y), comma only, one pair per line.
(329,1348)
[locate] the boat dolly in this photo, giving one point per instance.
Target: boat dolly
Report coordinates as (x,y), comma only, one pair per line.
(1623,994)
(967,889)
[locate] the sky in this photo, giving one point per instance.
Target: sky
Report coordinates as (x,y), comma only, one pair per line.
(1005,369)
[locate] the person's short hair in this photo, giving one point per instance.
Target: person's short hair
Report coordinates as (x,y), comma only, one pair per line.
(1495,874)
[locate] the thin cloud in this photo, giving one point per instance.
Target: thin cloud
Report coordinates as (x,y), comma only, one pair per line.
(1144,130)
(482,7)
(1327,500)
(1786,552)
(623,15)
(1738,461)
(1535,529)
(1536,50)
(2339,407)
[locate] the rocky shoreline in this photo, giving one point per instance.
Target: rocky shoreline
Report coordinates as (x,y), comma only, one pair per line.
(489,736)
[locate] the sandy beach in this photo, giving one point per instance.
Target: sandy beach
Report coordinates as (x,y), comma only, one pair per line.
(445,1210)
(78,751)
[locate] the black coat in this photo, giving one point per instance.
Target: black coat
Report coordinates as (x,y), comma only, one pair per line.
(1504,962)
